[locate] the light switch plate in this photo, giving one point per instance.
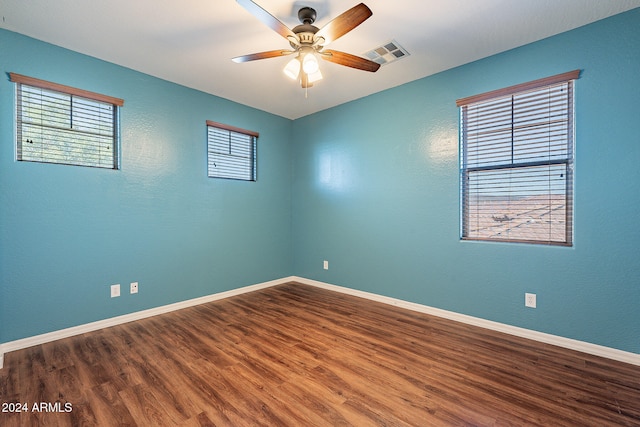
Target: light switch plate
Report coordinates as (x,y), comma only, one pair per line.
(115,291)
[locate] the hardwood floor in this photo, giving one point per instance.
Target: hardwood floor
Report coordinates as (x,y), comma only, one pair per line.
(295,355)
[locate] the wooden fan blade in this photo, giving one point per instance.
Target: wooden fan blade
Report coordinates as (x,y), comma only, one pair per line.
(267,19)
(344,23)
(262,55)
(349,60)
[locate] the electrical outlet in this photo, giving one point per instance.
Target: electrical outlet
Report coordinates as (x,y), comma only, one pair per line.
(115,291)
(530,300)
(134,287)
(326,265)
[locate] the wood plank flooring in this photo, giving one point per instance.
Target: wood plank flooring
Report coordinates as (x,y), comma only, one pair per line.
(295,355)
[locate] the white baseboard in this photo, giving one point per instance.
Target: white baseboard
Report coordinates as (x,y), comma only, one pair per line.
(584,347)
(100,324)
(594,349)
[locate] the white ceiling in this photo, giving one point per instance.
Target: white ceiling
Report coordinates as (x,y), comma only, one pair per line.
(191,42)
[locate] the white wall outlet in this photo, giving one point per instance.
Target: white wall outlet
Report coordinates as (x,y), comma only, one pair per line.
(530,300)
(115,291)
(325,264)
(134,287)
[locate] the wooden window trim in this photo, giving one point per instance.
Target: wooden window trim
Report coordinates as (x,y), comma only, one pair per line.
(232,128)
(43,84)
(547,81)
(532,242)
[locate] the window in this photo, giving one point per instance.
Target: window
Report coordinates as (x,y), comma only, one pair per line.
(60,124)
(516,163)
(231,152)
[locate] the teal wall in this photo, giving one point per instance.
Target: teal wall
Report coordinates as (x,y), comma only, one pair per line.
(68,233)
(375,192)
(371,186)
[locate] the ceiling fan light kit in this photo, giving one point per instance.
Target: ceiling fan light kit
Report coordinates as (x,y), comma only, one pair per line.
(308,42)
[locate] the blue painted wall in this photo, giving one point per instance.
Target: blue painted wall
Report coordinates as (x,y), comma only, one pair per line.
(371,186)
(68,233)
(375,192)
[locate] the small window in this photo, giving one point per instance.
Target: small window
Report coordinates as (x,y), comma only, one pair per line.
(516,163)
(60,124)
(231,152)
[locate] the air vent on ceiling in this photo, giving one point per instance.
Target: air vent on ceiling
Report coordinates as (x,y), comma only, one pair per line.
(388,52)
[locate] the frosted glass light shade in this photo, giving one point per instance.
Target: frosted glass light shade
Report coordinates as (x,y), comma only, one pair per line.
(292,69)
(314,77)
(310,64)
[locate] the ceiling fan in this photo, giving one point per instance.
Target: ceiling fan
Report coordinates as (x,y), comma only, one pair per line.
(308,41)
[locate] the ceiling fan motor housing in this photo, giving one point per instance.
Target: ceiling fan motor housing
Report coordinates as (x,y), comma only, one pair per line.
(306,30)
(305,37)
(307,15)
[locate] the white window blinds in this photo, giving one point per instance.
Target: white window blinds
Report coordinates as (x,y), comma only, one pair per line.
(231,152)
(59,124)
(516,163)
